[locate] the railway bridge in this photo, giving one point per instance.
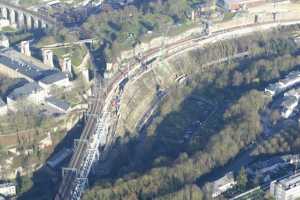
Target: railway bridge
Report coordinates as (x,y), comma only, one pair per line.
(96,132)
(25,18)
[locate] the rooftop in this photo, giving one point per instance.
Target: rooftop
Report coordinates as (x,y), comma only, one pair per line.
(25,69)
(58,76)
(24,91)
(228,178)
(11,53)
(64,105)
(268,163)
(291,181)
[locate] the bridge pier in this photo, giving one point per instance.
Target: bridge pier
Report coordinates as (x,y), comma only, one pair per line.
(44,25)
(48,57)
(21,20)
(12,16)
(4,13)
(24,18)
(29,22)
(36,24)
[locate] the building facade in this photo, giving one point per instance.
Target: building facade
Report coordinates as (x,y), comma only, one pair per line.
(30,92)
(8,189)
(286,189)
(223,184)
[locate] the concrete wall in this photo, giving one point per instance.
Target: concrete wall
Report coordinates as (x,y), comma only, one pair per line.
(157,42)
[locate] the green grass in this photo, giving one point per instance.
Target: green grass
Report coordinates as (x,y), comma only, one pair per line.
(228,16)
(8,29)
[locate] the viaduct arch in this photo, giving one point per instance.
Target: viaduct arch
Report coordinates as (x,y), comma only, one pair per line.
(25,18)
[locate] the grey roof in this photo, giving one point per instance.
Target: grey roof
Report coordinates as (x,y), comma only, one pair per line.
(291,181)
(228,178)
(25,90)
(22,67)
(58,76)
(59,103)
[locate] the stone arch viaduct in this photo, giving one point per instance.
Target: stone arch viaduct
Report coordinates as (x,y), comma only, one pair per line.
(25,18)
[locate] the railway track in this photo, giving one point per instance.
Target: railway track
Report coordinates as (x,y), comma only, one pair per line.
(98,107)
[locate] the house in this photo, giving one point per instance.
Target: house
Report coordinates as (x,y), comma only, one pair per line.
(8,189)
(58,104)
(31,92)
(200,9)
(223,184)
(57,79)
(235,5)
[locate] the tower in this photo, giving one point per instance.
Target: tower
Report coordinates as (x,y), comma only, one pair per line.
(25,48)
(48,57)
(67,66)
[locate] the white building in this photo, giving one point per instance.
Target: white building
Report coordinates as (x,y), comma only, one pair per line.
(8,189)
(223,184)
(286,189)
(30,92)
(57,79)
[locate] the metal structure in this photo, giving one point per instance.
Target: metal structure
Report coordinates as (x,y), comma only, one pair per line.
(86,149)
